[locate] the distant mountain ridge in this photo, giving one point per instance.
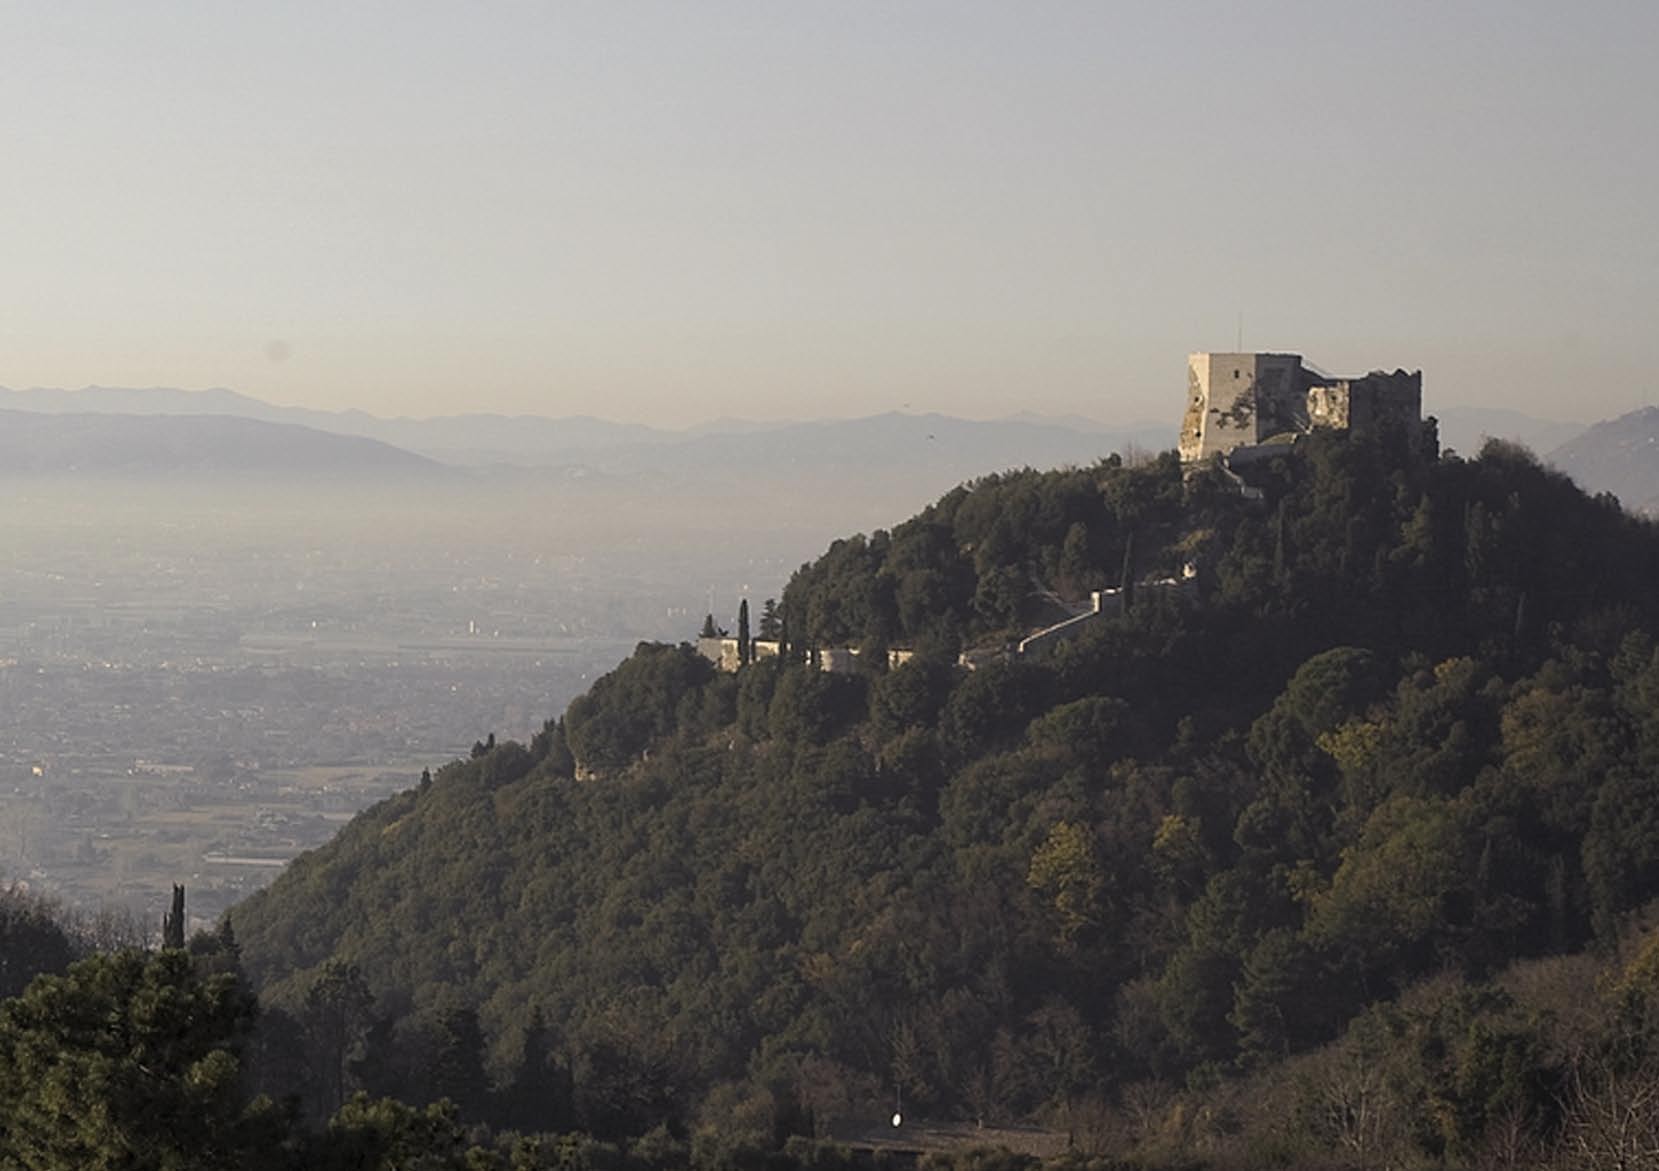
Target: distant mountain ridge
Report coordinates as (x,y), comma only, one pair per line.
(1620,456)
(484,437)
(37,443)
(893,445)
(446,438)
(1465,429)
(939,450)
(910,457)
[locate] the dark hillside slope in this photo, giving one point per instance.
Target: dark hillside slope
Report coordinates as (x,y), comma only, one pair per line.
(1406,720)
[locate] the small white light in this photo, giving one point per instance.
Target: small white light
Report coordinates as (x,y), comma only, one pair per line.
(897,1118)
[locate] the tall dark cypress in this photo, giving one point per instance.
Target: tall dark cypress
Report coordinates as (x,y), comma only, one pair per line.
(172,923)
(744,647)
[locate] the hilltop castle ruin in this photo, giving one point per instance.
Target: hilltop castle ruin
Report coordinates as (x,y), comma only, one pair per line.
(1240,405)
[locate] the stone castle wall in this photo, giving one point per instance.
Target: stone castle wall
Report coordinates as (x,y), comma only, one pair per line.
(1242,400)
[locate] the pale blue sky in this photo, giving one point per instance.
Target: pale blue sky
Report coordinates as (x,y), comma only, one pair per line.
(667,212)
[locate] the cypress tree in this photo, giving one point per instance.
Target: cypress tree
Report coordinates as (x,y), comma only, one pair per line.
(172,923)
(745,650)
(537,1100)
(457,1071)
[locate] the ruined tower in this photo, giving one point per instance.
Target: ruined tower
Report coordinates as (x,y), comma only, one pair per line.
(1245,404)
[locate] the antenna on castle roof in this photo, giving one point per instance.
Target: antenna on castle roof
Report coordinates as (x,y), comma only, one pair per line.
(1240,349)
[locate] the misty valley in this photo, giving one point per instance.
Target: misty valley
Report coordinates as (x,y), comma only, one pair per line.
(198,683)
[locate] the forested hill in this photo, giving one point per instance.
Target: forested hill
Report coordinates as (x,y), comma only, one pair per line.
(1404,722)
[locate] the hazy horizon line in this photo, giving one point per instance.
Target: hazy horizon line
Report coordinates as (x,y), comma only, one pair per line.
(770,422)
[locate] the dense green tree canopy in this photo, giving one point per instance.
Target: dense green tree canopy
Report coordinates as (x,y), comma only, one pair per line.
(126,1060)
(1403,720)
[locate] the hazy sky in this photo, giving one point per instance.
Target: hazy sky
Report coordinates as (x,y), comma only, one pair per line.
(668,212)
